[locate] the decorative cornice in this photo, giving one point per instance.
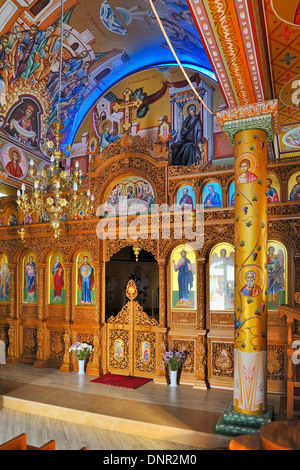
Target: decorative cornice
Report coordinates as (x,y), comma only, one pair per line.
(253,116)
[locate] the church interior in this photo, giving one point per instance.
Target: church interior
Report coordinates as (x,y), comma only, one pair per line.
(149,224)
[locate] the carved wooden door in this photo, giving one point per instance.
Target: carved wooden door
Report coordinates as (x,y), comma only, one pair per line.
(131,339)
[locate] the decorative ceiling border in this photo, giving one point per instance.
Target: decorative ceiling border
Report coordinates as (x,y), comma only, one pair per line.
(229,37)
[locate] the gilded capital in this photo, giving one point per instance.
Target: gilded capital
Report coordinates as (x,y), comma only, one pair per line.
(262,116)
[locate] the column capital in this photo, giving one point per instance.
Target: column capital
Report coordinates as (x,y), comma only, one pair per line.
(253,116)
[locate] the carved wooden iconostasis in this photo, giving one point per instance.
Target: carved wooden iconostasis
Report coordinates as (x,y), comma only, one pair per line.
(53,292)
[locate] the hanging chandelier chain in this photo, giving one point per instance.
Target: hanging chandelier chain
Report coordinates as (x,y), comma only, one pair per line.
(58,109)
(55,193)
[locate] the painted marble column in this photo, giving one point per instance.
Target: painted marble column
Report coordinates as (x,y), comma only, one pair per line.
(250,316)
(249,129)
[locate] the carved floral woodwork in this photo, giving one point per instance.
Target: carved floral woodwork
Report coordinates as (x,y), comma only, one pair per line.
(49,331)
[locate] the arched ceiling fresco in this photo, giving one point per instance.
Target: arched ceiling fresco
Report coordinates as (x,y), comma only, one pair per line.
(104,41)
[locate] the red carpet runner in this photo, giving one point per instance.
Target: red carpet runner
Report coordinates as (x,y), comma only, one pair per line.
(124,381)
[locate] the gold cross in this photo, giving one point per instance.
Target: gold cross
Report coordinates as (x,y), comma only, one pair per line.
(127,106)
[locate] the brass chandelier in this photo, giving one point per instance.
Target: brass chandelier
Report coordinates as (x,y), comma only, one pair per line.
(55,193)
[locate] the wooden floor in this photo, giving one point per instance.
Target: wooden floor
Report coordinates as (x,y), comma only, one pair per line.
(46,403)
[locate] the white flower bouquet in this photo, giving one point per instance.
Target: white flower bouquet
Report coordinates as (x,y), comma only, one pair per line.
(81,350)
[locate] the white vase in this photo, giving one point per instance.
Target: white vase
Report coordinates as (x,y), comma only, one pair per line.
(173,377)
(81,364)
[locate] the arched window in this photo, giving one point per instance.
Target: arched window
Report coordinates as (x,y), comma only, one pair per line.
(221,277)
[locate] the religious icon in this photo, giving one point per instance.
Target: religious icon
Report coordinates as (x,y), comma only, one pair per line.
(251,287)
(221,277)
(276,262)
(14,161)
(12,219)
(30,279)
(145,356)
(231,196)
(164,130)
(291,138)
(272,194)
(130,196)
(4,279)
(185,198)
(212,195)
(183,277)
(93,145)
(22,125)
(294,187)
(107,136)
(188,148)
(13,166)
(57,283)
(119,349)
(245,169)
(85,279)
(27,220)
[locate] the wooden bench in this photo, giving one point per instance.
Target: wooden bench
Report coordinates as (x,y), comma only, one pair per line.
(20,443)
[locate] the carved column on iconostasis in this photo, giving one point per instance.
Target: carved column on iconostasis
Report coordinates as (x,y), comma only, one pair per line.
(162,293)
(13,268)
(13,321)
(41,355)
(162,330)
(96,360)
(13,341)
(249,129)
(200,270)
(67,357)
(200,366)
(68,289)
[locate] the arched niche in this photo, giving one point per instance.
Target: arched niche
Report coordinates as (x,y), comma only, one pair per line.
(273,188)
(231,194)
(85,279)
(277,262)
(221,277)
(129,195)
(185,198)
(29,278)
(56,279)
(294,187)
(212,195)
(11,217)
(122,267)
(183,289)
(4,279)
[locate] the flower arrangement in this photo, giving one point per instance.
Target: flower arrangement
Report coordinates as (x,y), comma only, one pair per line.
(174,359)
(81,350)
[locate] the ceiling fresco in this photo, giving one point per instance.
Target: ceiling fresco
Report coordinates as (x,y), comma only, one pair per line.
(103,42)
(283,27)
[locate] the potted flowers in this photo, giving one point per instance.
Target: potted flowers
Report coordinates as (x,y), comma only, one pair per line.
(82,352)
(174,361)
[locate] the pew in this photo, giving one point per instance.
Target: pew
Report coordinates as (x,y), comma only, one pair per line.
(293,354)
(20,443)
